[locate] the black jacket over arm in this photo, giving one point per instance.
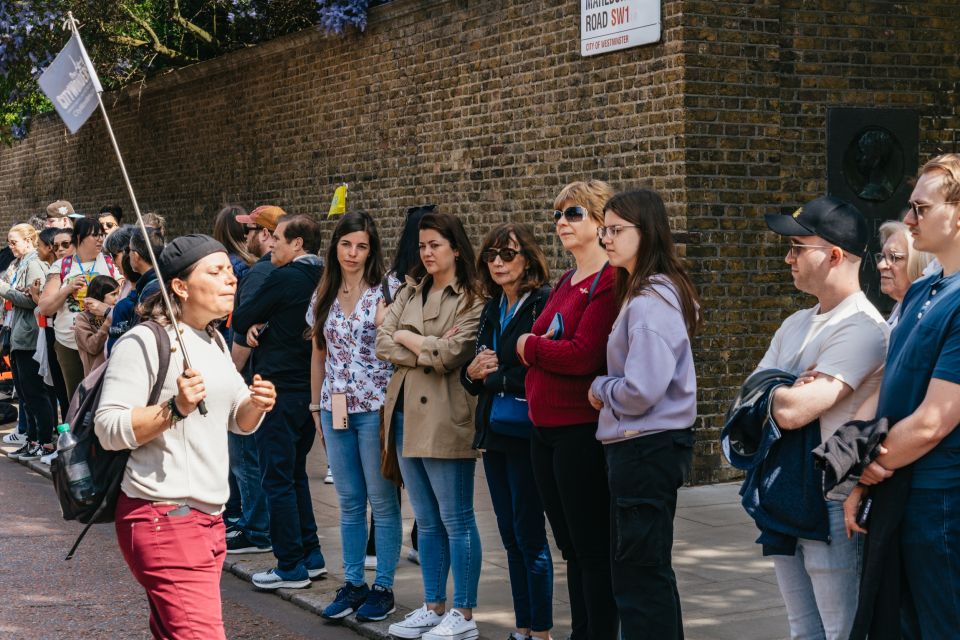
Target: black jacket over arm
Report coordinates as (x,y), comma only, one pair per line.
(510,376)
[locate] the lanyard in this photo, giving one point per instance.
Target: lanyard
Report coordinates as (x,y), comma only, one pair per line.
(506,315)
(87,276)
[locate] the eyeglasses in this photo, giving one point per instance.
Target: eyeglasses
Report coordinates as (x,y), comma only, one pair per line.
(253,228)
(892,257)
(572,214)
(98,234)
(614,230)
(506,254)
(917,207)
(795,249)
(108,225)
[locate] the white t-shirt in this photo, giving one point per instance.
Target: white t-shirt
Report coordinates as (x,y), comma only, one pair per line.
(73,305)
(848,343)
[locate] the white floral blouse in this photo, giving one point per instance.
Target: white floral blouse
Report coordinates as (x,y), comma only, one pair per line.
(352,366)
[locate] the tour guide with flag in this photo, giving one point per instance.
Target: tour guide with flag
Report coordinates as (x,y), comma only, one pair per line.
(168,514)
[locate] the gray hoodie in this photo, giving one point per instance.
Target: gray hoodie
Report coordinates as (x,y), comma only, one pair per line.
(24,328)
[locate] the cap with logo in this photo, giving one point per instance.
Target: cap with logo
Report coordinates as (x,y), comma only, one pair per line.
(61,209)
(265,216)
(836,221)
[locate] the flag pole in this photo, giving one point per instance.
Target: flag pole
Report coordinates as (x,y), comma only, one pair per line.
(202,407)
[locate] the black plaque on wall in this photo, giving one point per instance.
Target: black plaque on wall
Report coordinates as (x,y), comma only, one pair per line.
(872,160)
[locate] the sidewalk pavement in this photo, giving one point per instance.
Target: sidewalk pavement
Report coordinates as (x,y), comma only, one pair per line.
(728,590)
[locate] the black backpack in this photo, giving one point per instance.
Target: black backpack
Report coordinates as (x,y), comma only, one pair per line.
(106,467)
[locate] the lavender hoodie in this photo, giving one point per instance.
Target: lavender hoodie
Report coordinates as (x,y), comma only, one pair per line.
(651,385)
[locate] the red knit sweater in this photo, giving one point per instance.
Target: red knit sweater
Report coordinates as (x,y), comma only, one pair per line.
(561,370)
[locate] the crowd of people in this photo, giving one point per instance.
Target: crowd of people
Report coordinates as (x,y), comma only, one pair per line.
(579,396)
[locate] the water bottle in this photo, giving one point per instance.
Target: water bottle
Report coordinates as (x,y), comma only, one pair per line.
(77,469)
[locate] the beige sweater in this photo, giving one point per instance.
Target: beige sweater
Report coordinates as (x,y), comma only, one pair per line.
(187,463)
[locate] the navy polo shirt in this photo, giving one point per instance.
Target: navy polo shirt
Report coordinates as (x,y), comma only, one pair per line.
(925,344)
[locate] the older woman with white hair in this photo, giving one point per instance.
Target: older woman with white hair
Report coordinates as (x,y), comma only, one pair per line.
(899,263)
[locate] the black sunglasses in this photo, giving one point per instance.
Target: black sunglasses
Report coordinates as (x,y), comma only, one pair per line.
(61,245)
(572,214)
(506,254)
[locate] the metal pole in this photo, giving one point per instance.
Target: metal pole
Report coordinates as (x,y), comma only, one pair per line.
(202,407)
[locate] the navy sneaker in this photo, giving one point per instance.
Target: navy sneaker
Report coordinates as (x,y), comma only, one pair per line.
(349,598)
(378,605)
(316,565)
(276,578)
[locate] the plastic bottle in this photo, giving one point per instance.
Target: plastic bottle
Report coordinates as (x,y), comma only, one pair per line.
(77,469)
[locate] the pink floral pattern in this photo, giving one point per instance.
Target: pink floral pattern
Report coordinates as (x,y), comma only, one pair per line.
(352,366)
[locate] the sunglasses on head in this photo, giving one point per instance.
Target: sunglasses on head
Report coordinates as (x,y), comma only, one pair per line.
(506,254)
(572,214)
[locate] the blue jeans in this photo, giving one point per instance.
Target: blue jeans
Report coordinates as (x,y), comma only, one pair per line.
(820,584)
(516,503)
(354,455)
(283,442)
(441,493)
(245,466)
(931,560)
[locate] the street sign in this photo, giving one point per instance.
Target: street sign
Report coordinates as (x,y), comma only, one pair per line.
(609,25)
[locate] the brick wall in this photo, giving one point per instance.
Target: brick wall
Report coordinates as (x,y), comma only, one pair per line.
(487,109)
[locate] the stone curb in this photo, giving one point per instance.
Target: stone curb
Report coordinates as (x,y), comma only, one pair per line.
(312,599)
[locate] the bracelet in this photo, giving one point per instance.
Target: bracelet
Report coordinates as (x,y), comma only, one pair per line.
(175,415)
(314,408)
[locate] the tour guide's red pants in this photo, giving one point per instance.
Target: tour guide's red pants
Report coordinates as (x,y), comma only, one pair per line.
(178,560)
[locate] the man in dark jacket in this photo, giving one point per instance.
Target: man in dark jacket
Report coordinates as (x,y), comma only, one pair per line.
(274,321)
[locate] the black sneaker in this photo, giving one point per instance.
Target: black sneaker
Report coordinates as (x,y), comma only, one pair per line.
(378,605)
(349,598)
(22,451)
(35,453)
(241,544)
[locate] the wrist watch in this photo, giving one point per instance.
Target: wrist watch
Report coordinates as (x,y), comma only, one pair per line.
(314,408)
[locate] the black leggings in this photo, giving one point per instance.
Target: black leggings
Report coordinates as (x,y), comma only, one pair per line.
(33,395)
(571,476)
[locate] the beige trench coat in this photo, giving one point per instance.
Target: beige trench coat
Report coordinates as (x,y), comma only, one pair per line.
(437,411)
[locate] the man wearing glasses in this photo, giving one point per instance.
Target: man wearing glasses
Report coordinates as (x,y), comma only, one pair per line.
(836,349)
(920,396)
(111,217)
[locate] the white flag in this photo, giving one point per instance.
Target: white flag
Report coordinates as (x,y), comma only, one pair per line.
(72,85)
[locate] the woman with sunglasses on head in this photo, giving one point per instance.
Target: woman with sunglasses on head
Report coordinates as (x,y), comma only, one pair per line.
(349,384)
(899,264)
(513,271)
(648,403)
(65,289)
(567,460)
(24,333)
(428,334)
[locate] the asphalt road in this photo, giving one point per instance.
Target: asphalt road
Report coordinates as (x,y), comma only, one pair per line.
(93,595)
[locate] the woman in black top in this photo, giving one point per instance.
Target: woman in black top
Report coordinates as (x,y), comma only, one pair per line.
(513,270)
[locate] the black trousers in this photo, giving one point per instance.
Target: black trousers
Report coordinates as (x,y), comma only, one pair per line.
(33,396)
(571,477)
(644,475)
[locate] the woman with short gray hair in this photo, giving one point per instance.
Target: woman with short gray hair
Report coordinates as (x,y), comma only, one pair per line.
(899,263)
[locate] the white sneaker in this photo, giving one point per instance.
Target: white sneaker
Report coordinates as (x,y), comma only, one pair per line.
(370,563)
(329,478)
(48,458)
(414,556)
(15,438)
(453,627)
(415,623)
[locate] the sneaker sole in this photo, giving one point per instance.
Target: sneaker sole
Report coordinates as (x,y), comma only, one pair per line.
(408,633)
(361,618)
(316,573)
(465,635)
(288,584)
(338,616)
(249,550)
(29,458)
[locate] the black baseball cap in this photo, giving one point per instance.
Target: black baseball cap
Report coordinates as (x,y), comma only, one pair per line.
(836,221)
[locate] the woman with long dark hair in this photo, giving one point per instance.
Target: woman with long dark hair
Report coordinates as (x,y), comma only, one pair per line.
(513,271)
(428,334)
(64,292)
(567,459)
(233,235)
(647,403)
(348,385)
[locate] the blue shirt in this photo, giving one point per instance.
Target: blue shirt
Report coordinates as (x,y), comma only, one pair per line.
(925,344)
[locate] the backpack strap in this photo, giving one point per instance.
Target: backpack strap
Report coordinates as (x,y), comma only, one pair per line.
(110,265)
(596,281)
(65,265)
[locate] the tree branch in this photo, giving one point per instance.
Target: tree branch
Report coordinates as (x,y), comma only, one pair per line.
(158,46)
(192,28)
